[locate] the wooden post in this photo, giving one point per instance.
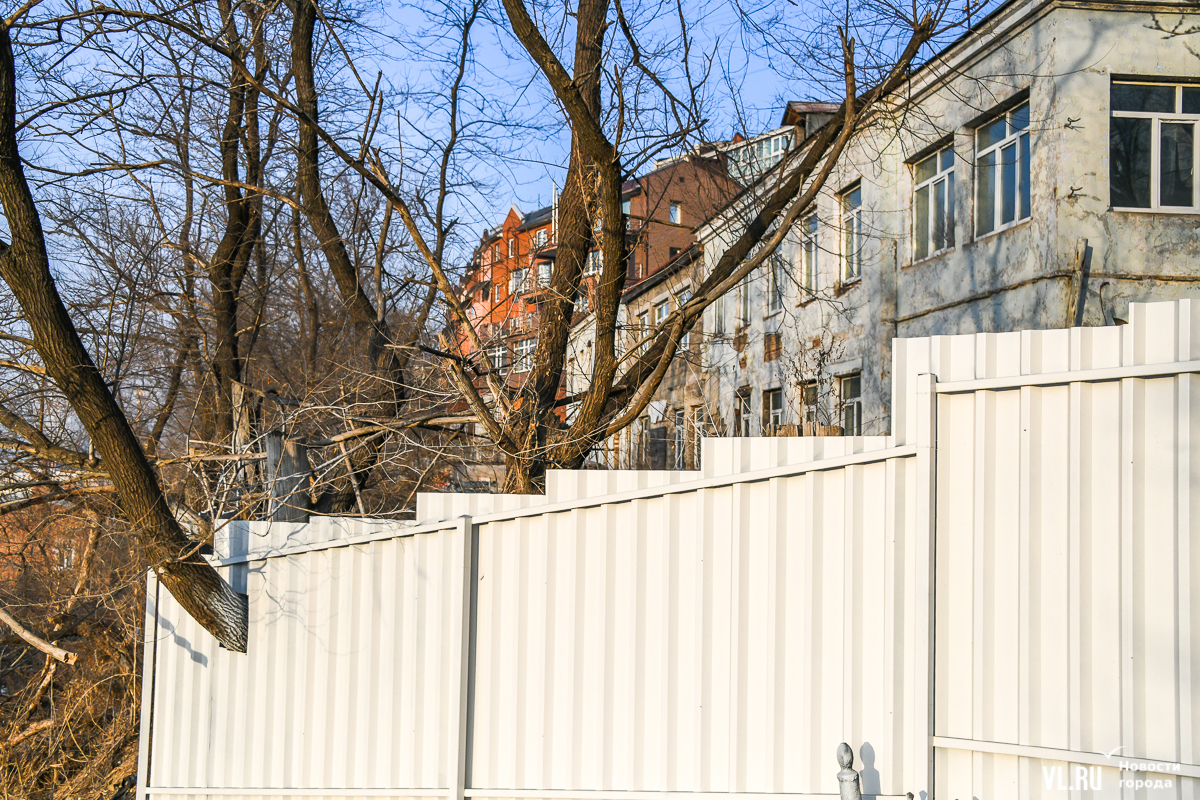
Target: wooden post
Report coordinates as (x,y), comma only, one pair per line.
(287,478)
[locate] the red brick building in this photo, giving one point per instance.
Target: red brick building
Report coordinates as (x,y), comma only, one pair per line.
(504,287)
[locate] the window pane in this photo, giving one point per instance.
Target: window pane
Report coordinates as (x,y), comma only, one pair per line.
(1018,118)
(1129,163)
(991,133)
(1191,100)
(925,169)
(1176,158)
(853,199)
(1024,174)
(985,194)
(947,158)
(939,215)
(921,223)
(1142,97)
(950,210)
(1008,184)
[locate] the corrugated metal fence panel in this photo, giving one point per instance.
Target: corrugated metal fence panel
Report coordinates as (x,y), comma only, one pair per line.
(1068,605)
(346,682)
(721,640)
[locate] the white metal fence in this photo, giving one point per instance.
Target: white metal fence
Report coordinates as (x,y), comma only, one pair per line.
(997,593)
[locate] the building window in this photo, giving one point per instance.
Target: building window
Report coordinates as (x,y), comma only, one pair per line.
(660,312)
(523,355)
(744,301)
(625,205)
(512,247)
(516,281)
(593,263)
(771,347)
(773,408)
(742,415)
(682,300)
(850,394)
(582,303)
(1152,145)
(680,453)
(852,239)
(544,273)
(672,252)
(1002,171)
(539,237)
(677,213)
(808,407)
(808,253)
(719,316)
(933,204)
(775,290)
(495,252)
(498,355)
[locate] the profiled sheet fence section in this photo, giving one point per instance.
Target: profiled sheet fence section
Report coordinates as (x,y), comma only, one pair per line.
(724,638)
(628,632)
(1068,559)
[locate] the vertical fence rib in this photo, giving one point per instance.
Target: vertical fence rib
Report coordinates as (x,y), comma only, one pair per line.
(925,543)
(460,620)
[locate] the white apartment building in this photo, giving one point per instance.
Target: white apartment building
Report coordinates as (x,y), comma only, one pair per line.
(1041,174)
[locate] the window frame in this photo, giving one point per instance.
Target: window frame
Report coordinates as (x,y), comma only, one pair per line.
(1023,171)
(681,300)
(945,176)
(743,412)
(516,280)
(852,404)
(775,284)
(1157,118)
(679,457)
(852,235)
(675,212)
(809,253)
(523,351)
(498,355)
(772,416)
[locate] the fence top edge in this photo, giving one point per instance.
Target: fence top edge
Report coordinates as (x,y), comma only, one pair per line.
(685,487)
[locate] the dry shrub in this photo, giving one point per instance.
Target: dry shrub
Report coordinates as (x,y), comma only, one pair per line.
(69,731)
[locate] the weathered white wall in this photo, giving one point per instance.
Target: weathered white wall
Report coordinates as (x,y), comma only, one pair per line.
(650,635)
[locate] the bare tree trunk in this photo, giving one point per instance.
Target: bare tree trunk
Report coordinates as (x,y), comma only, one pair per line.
(25,267)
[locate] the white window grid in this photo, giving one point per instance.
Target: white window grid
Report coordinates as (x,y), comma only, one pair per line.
(852,234)
(523,355)
(660,312)
(850,395)
(516,281)
(680,454)
(1004,160)
(681,300)
(808,254)
(498,355)
(512,247)
(777,284)
(773,407)
(1158,119)
(592,266)
(676,212)
(933,204)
